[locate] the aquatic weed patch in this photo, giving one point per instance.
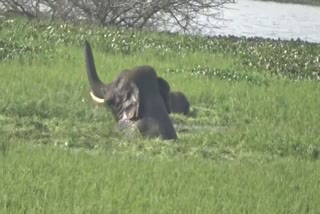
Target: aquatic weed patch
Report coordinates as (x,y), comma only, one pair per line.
(226,96)
(289,59)
(231,75)
(249,145)
(13,50)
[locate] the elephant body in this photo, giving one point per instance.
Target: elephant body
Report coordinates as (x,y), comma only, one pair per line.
(137,96)
(178,103)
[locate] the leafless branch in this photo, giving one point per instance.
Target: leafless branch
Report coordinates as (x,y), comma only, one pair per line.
(171,14)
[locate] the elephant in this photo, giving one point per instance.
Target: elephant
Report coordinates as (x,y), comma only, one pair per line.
(178,102)
(137,97)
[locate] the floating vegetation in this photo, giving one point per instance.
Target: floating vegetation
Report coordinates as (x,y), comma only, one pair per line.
(293,59)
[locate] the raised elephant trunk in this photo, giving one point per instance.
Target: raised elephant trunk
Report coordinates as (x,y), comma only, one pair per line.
(136,97)
(97,86)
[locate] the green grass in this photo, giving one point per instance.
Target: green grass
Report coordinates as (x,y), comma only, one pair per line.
(54,180)
(250,145)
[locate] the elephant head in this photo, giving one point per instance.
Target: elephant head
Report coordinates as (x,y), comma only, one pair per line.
(178,102)
(136,97)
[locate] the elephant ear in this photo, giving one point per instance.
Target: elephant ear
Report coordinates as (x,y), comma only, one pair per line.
(131,102)
(125,101)
(164,92)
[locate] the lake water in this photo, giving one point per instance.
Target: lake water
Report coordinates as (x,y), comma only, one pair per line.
(270,20)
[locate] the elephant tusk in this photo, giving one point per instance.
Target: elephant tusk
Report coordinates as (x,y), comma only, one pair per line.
(96,99)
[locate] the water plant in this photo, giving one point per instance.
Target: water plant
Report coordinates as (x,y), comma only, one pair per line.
(250,143)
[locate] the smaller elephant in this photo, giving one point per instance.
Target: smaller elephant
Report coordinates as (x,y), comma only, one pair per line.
(178,103)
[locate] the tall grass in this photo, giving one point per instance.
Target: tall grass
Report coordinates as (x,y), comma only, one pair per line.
(52,180)
(250,144)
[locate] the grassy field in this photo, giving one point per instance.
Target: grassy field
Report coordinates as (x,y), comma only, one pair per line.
(250,145)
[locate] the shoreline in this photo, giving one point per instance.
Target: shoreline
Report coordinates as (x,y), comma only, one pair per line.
(301,2)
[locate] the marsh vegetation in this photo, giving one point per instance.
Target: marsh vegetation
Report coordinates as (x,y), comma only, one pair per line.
(250,143)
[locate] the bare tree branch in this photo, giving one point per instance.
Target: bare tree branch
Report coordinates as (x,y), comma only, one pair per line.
(155,14)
